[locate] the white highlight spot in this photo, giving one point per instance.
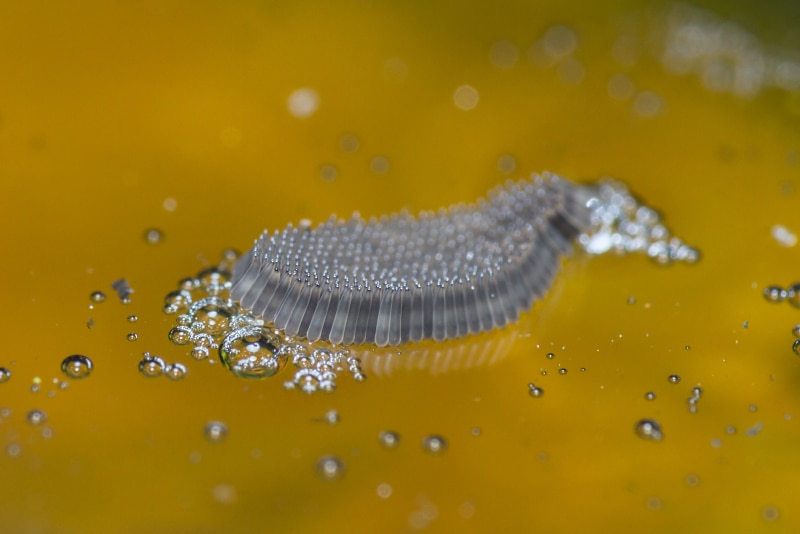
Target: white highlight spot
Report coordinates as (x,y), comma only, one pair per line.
(783,235)
(384,491)
(466,97)
(303,102)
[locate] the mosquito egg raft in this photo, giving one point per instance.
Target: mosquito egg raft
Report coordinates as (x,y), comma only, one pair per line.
(330,468)
(215,431)
(77,366)
(649,429)
(434,444)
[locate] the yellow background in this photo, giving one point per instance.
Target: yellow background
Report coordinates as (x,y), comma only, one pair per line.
(106,110)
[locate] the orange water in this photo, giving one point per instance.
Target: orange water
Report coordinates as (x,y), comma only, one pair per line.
(108,111)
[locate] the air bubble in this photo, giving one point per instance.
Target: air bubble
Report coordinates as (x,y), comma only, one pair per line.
(132,318)
(133,336)
(796,346)
(180,335)
(36,417)
(673,379)
(215,431)
(213,313)
(153,236)
(434,444)
(550,355)
(199,353)
(389,439)
(535,391)
(177,300)
(151,366)
(649,429)
(330,468)
(97,296)
(774,293)
(253,352)
(650,396)
(5,375)
(175,371)
(562,371)
(76,366)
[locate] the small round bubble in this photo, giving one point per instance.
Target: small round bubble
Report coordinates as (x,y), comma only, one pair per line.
(650,396)
(389,439)
(673,379)
(550,355)
(97,296)
(175,371)
(215,431)
(180,335)
(796,346)
(151,366)
(434,444)
(5,375)
(76,366)
(133,336)
(562,371)
(535,391)
(330,468)
(36,417)
(153,236)
(649,429)
(253,352)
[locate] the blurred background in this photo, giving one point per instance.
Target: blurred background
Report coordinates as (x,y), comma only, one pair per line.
(210,122)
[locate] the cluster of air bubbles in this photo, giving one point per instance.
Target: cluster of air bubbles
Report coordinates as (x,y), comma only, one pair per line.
(619,223)
(726,57)
(123,289)
(692,401)
(556,48)
(208,320)
(76,366)
(649,429)
(153,366)
(791,295)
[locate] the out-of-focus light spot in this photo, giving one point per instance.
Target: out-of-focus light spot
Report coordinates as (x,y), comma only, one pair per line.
(349,143)
(647,104)
(230,137)
(620,87)
(170,204)
(395,70)
(626,50)
(503,54)
(379,165)
(224,493)
(384,491)
(571,71)
(303,102)
(466,97)
(783,235)
(559,42)
(328,173)
(506,164)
